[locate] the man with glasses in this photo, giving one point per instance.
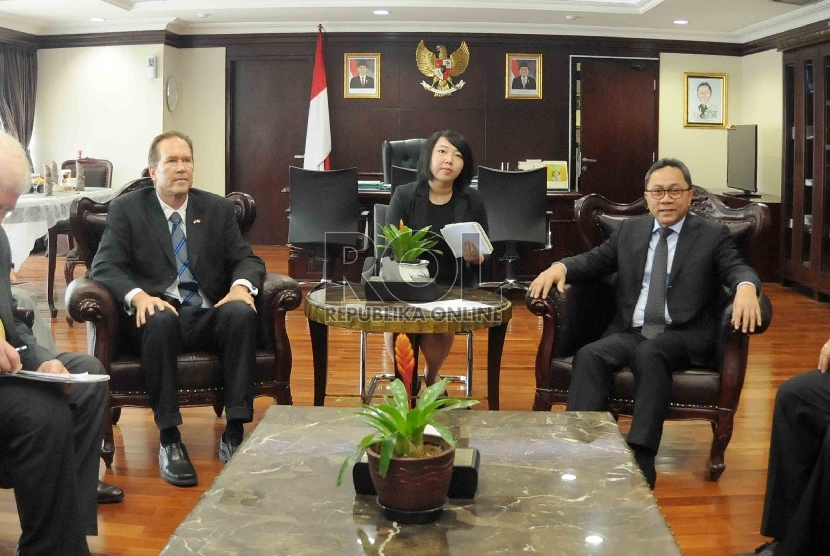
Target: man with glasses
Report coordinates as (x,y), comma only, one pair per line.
(669,267)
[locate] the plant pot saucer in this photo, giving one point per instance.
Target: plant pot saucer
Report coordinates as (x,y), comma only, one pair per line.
(413,518)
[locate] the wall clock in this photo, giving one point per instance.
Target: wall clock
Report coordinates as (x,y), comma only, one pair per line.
(172,93)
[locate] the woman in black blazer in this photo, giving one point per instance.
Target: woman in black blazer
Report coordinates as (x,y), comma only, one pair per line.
(440,196)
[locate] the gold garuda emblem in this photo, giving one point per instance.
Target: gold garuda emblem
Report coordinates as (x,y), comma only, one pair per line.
(442,68)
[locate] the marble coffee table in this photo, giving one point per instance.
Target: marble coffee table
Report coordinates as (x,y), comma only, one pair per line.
(549,483)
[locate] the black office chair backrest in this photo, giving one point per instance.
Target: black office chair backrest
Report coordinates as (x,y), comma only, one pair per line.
(515,204)
(404,153)
(323,207)
(402,176)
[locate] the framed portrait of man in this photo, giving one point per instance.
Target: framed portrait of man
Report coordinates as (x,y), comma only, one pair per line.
(705,100)
(361,75)
(523,76)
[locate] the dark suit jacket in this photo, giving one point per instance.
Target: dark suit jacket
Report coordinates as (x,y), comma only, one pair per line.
(705,259)
(517,83)
(136,250)
(411,203)
(17,333)
(354,83)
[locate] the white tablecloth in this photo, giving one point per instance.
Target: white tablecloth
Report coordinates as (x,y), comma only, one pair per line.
(36,213)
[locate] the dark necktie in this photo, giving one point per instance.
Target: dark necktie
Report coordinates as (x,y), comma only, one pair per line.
(654,321)
(188,287)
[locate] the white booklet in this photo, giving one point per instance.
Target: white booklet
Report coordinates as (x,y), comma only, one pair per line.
(457,234)
(52,377)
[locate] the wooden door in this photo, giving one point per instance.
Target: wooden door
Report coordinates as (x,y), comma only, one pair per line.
(618,132)
(266,131)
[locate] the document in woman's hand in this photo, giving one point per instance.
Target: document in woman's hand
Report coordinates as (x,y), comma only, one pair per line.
(457,234)
(54,377)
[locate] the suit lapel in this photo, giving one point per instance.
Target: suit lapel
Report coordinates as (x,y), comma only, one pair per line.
(158,224)
(6,292)
(460,210)
(685,241)
(420,210)
(195,230)
(639,253)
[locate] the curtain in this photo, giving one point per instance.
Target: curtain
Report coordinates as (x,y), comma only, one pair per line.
(18,83)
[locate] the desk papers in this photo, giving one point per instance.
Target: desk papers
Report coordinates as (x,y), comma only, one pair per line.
(62,378)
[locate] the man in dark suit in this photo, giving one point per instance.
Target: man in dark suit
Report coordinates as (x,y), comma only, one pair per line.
(362,80)
(797,502)
(50,438)
(175,258)
(669,267)
(523,81)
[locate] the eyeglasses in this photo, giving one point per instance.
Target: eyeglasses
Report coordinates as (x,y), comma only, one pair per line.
(674,193)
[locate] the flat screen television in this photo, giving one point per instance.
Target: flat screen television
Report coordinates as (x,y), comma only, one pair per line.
(742,160)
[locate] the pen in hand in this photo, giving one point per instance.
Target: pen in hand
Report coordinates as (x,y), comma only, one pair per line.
(21,349)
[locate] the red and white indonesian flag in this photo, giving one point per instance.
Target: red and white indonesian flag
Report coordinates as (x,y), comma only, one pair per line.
(318,134)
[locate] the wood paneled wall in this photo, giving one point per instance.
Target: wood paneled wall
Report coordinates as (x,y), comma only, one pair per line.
(499,129)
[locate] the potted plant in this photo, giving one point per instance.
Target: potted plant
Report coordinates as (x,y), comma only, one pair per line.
(406,246)
(411,470)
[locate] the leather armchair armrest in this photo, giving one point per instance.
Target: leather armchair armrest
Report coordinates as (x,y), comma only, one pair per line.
(576,317)
(278,294)
(732,352)
(26,315)
(90,301)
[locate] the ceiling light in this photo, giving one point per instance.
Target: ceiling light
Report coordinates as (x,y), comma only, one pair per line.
(202,16)
(681,21)
(97,19)
(593,539)
(381,12)
(572,17)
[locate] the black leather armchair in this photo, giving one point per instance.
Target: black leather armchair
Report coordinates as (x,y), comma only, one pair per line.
(89,301)
(585,310)
(404,153)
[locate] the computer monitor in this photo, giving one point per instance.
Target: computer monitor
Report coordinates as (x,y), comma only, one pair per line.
(742,160)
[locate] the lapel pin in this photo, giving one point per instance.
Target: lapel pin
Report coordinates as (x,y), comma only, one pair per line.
(197,221)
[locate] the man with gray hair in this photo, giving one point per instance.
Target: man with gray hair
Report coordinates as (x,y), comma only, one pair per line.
(50,440)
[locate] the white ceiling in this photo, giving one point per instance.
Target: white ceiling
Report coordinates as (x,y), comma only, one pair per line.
(735,21)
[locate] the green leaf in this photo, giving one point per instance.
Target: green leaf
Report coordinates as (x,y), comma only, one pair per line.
(387,448)
(400,395)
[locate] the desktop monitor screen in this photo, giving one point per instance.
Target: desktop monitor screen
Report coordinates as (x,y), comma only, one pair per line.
(742,159)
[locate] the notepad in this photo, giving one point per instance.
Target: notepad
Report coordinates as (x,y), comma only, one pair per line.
(52,377)
(457,234)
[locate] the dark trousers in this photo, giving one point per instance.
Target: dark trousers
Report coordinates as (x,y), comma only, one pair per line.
(229,330)
(798,477)
(50,443)
(652,362)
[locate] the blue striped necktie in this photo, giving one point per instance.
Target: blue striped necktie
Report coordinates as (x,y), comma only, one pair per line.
(188,287)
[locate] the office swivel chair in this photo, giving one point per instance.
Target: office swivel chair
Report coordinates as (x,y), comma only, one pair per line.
(516,211)
(371,267)
(402,176)
(324,212)
(404,154)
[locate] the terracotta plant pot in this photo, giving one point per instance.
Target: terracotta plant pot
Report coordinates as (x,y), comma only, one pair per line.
(414,484)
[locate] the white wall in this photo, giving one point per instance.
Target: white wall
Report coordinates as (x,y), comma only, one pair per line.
(99,100)
(200,114)
(763,104)
(754,97)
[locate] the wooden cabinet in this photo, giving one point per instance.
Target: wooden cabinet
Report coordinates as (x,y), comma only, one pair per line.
(805,189)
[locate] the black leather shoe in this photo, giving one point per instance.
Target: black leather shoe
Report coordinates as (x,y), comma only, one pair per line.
(646,463)
(227,449)
(175,466)
(109,494)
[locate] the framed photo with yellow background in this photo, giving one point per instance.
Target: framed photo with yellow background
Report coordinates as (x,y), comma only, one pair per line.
(704,103)
(361,75)
(523,76)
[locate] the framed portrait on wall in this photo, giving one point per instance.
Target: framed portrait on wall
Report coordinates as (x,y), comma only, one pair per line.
(361,75)
(705,100)
(523,76)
